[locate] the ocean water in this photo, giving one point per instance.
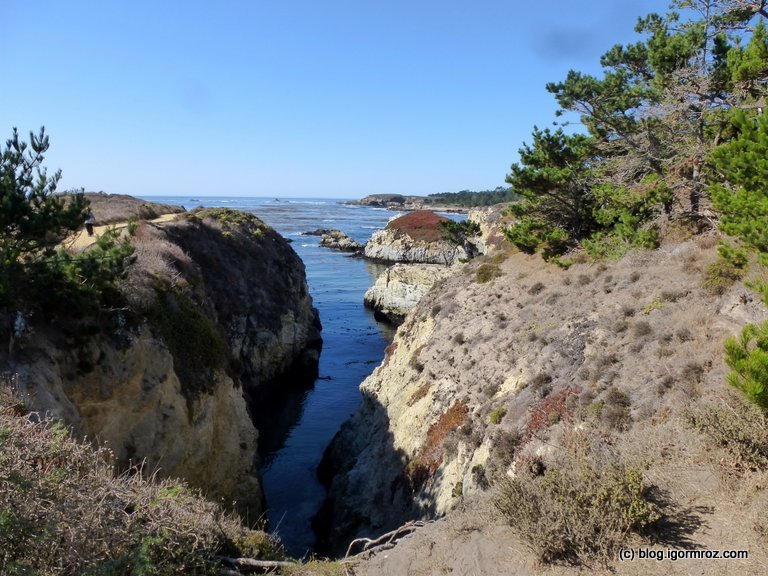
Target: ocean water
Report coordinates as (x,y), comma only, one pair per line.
(353,345)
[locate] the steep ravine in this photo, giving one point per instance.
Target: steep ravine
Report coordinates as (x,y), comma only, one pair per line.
(202,335)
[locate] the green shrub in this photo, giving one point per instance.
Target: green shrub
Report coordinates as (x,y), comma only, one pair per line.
(487,272)
(193,338)
(497,415)
(725,271)
(35,274)
(604,246)
(582,509)
(78,285)
(742,197)
(625,213)
(458,233)
(737,427)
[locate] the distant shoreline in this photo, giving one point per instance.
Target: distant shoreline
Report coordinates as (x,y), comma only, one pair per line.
(408,203)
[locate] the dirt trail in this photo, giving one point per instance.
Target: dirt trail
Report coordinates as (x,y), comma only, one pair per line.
(83,241)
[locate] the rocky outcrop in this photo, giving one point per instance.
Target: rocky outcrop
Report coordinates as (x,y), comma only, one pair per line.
(338,240)
(403,202)
(167,381)
(400,287)
(252,282)
(492,220)
(414,238)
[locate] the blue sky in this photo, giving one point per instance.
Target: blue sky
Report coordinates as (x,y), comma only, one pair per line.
(294,98)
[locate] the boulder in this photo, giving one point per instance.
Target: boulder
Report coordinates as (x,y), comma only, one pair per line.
(339,240)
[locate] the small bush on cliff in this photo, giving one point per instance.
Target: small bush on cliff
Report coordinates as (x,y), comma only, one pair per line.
(424,466)
(460,233)
(582,508)
(487,272)
(62,511)
(730,266)
(195,341)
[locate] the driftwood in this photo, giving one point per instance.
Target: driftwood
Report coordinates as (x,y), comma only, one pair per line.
(371,546)
(250,565)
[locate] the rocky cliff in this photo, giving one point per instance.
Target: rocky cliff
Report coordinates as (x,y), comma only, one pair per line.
(402,286)
(486,369)
(202,334)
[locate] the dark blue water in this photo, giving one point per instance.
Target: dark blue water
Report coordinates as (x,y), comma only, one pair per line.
(353,345)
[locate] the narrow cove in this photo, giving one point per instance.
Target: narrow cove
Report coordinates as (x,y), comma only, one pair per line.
(292,445)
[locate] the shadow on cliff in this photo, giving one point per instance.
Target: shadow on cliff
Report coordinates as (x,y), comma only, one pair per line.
(277,406)
(369,489)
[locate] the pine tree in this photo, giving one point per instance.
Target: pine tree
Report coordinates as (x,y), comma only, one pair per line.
(741,195)
(553,179)
(35,274)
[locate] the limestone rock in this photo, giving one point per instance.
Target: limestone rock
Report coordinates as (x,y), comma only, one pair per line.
(400,287)
(132,402)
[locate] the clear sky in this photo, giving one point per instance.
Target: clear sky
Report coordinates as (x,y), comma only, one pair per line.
(330,98)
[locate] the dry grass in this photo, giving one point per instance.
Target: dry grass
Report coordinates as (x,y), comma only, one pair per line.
(738,428)
(159,262)
(62,511)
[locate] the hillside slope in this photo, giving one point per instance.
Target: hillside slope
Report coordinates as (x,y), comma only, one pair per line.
(506,365)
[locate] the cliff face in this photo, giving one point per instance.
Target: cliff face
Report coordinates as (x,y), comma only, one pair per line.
(217,312)
(252,282)
(133,403)
(400,287)
(487,364)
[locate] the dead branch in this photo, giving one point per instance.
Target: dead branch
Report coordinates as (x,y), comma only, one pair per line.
(385,541)
(253,565)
